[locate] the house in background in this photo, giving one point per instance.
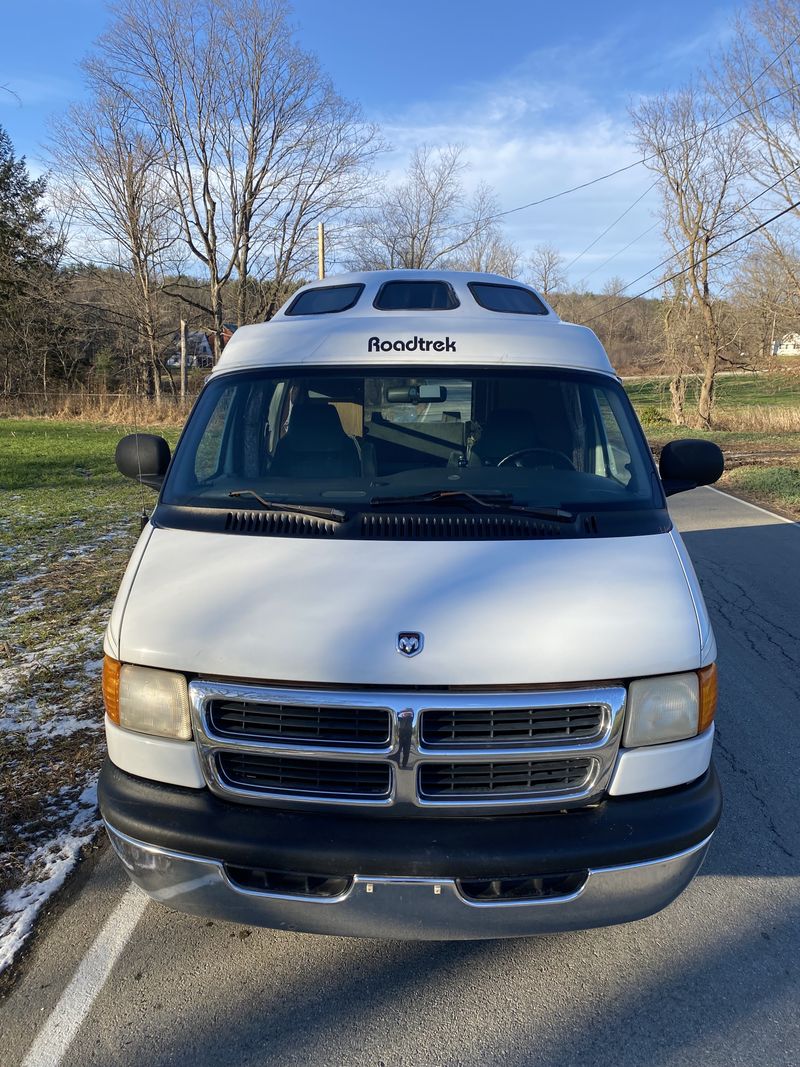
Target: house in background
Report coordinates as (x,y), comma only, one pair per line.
(199,347)
(789,346)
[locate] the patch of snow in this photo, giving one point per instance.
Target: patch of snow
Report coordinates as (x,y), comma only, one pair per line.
(50,863)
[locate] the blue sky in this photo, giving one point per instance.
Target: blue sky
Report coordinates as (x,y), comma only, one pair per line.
(536,92)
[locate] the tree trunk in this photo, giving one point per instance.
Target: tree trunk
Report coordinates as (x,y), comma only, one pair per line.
(677,392)
(705,404)
(216,308)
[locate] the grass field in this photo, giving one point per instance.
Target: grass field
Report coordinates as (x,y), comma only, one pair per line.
(733,390)
(761,435)
(68,522)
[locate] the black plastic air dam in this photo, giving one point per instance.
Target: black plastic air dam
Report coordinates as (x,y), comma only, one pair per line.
(620,830)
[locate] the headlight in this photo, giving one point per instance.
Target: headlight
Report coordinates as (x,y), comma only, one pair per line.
(671,707)
(147,700)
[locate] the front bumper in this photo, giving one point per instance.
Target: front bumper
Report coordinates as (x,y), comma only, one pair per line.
(635,855)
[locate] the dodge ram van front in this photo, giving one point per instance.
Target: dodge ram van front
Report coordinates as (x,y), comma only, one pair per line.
(410,646)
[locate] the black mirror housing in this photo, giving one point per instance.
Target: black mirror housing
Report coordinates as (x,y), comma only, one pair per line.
(143,457)
(686,464)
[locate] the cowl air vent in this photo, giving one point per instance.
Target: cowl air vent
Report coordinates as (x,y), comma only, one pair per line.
(278,524)
(455,527)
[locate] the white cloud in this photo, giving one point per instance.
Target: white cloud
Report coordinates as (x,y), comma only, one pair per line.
(528,138)
(34,92)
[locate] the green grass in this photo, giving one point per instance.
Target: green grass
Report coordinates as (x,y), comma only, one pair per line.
(772,486)
(68,523)
(731,442)
(733,390)
(69,457)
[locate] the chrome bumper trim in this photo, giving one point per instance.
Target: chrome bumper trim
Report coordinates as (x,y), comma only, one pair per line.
(407,908)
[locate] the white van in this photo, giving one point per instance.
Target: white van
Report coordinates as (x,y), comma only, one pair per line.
(410,646)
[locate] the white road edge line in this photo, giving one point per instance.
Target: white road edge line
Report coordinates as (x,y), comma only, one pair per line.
(75,1003)
(747,503)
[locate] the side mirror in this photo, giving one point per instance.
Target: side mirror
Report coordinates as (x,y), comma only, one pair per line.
(686,464)
(143,457)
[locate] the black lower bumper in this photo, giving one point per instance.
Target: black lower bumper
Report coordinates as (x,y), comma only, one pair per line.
(621,830)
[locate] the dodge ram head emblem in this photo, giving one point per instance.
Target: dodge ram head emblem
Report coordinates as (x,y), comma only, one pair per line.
(409,643)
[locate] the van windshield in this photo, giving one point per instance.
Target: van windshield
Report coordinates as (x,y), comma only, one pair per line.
(346,438)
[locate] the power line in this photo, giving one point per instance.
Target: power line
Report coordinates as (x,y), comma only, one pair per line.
(639,162)
(703,259)
(610,227)
(718,120)
(669,259)
(758,77)
(619,252)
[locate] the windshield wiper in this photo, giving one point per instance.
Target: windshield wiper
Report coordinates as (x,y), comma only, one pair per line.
(461,498)
(297,509)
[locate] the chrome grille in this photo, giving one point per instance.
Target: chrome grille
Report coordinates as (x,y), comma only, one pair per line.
(332,779)
(409,752)
(487,726)
(457,781)
(288,722)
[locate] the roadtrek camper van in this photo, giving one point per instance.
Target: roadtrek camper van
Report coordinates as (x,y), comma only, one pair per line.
(409,646)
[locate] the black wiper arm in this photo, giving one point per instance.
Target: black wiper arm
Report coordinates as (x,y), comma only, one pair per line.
(298,509)
(460,497)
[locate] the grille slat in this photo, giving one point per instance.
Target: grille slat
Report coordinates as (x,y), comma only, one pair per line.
(286,723)
(485,726)
(443,781)
(320,778)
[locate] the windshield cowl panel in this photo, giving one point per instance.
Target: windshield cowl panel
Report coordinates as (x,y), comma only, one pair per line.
(465,440)
(423,522)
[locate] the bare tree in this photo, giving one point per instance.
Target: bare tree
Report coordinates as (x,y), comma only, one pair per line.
(425,220)
(767,299)
(110,180)
(758,74)
(237,110)
(490,253)
(546,270)
(699,164)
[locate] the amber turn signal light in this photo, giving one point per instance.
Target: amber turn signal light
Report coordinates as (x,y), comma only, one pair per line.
(707,678)
(111,669)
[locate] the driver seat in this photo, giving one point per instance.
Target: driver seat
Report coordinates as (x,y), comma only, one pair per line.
(316,446)
(507,430)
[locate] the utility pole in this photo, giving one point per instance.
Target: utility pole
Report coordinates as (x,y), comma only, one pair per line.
(321,249)
(184,347)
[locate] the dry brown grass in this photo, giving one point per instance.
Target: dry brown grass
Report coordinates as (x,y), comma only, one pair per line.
(80,406)
(758,419)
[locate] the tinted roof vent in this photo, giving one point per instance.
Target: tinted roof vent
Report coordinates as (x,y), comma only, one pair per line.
(511,299)
(325,300)
(416,296)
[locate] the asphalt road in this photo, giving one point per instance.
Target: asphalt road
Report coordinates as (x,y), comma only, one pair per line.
(715,979)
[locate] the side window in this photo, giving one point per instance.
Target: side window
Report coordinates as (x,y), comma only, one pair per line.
(616,452)
(209,453)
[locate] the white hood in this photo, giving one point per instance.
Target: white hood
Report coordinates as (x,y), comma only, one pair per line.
(491,612)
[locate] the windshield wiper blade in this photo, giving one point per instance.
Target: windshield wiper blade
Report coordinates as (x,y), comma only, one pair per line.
(461,497)
(297,509)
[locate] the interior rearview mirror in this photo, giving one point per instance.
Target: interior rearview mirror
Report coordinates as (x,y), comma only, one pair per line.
(143,457)
(686,464)
(417,394)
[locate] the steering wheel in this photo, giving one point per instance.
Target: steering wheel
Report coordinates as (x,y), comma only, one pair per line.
(559,460)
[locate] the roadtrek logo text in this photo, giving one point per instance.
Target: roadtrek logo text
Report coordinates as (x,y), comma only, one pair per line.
(416,344)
